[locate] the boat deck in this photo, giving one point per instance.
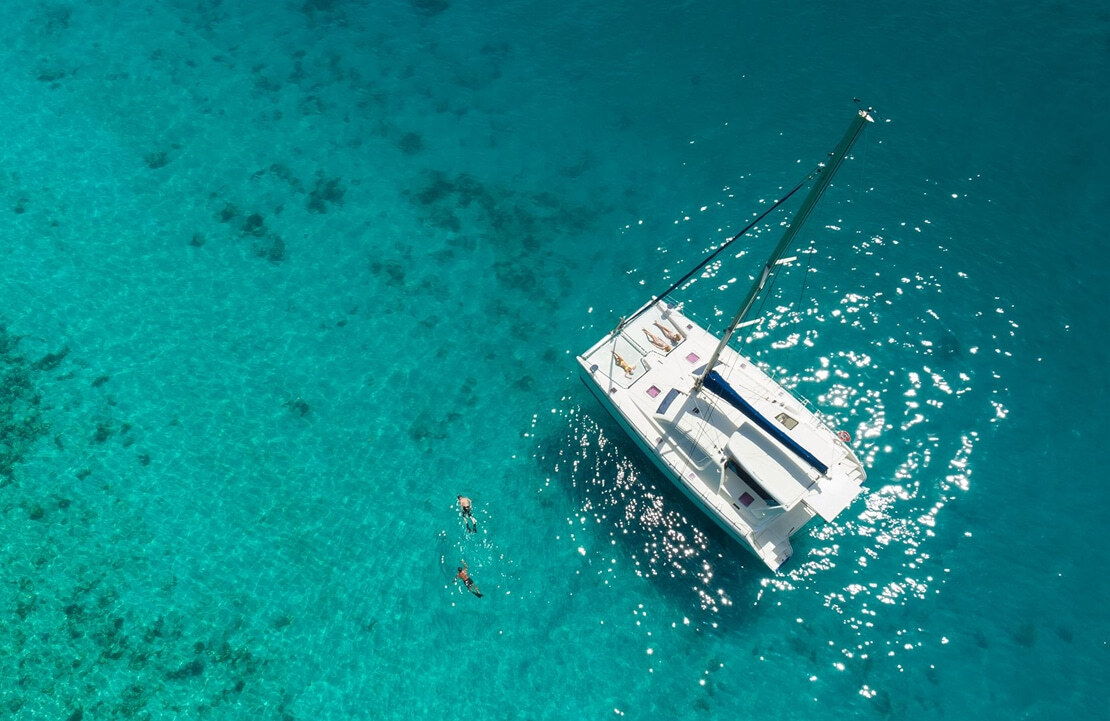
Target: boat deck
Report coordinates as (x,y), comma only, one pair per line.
(740,475)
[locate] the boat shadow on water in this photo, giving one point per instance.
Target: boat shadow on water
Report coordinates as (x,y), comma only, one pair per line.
(656,532)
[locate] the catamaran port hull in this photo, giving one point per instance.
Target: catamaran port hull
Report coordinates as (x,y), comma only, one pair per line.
(774,562)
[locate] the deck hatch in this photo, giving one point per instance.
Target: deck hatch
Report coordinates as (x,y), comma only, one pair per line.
(667,401)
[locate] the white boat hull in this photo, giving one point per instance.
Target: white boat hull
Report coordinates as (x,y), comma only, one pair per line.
(737,473)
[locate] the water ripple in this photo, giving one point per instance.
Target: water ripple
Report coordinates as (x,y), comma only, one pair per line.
(895,357)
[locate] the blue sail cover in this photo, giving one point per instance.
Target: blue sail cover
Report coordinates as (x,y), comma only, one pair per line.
(720,387)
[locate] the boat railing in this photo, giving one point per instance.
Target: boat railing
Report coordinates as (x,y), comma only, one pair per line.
(790,387)
(709,327)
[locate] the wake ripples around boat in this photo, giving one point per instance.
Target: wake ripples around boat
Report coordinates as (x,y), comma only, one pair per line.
(618,495)
(919,381)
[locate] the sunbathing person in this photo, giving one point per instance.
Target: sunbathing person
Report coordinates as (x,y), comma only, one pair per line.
(628,370)
(671,335)
(656,340)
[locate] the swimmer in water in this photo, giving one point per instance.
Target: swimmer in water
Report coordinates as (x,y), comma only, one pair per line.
(465,576)
(465,505)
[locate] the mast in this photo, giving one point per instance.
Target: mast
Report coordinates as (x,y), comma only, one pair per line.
(824,174)
(705,261)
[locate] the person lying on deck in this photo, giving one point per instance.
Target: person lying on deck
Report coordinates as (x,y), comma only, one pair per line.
(671,335)
(628,370)
(656,340)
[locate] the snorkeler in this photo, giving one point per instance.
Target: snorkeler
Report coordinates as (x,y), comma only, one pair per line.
(467,579)
(465,505)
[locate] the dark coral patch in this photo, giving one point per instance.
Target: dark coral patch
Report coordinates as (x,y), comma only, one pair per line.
(272,248)
(227,213)
(254,225)
(298,407)
(392,272)
(21,422)
(159,159)
(103,432)
(327,190)
(50,361)
(429,8)
(51,73)
(193,668)
(314,6)
(411,143)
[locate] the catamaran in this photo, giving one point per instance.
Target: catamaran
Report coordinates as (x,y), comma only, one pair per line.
(756,459)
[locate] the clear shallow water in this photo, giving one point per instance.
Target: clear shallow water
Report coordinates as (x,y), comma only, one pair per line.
(279,282)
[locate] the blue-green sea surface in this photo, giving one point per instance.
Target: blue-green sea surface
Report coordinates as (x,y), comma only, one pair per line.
(278,281)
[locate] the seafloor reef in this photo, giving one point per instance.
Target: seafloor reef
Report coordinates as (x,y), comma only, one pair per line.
(518,228)
(327,191)
(96,623)
(266,243)
(21,421)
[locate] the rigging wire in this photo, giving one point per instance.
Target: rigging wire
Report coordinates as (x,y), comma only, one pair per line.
(810,252)
(705,261)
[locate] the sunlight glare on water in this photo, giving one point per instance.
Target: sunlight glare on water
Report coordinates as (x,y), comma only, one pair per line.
(281,281)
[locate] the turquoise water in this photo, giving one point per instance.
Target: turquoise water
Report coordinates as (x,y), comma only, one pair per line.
(279,281)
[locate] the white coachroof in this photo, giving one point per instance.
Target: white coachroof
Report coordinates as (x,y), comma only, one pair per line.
(769,464)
